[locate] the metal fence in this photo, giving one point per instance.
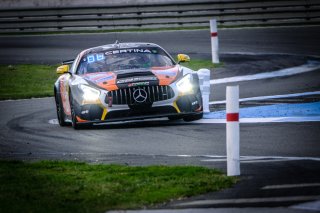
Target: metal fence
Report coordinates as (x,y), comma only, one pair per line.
(161,15)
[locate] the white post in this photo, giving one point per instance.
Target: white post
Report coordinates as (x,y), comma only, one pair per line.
(214,41)
(204,81)
(233,131)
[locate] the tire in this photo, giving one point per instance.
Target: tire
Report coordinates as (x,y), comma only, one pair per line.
(74,123)
(189,118)
(60,113)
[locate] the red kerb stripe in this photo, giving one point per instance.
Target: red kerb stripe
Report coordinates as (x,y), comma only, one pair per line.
(232,116)
(214,34)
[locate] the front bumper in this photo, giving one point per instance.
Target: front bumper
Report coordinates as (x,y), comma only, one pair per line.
(185,105)
(123,109)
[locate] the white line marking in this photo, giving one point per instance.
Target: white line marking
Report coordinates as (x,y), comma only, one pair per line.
(280,73)
(263,120)
(280,54)
(249,200)
(212,158)
(312,206)
(261,159)
(27,99)
(289,186)
(270,97)
(242,120)
(249,161)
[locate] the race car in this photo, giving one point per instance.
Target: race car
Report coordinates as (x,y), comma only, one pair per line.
(126,81)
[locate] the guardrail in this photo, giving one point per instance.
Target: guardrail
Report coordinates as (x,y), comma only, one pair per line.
(161,15)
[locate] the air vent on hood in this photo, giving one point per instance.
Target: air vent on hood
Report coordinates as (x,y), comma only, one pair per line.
(133,74)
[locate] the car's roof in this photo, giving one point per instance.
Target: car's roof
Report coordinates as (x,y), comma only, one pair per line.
(119,46)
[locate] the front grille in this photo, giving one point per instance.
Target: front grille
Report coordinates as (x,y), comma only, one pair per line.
(154,94)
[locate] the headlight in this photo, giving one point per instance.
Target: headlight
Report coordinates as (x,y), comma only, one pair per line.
(185,84)
(89,93)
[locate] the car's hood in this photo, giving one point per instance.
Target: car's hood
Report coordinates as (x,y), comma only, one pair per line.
(129,78)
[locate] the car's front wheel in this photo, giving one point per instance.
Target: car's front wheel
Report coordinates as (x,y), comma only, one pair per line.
(59,109)
(75,124)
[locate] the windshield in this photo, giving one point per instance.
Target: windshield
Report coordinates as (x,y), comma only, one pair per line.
(124,59)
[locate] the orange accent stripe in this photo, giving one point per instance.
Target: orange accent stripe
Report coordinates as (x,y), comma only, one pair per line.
(199,109)
(80,120)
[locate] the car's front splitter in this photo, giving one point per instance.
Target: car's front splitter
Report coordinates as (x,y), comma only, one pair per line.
(113,120)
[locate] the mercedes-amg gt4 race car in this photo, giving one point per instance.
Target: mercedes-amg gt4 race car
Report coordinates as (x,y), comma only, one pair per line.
(126,81)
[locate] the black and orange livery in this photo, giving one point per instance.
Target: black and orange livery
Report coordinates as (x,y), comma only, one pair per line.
(126,81)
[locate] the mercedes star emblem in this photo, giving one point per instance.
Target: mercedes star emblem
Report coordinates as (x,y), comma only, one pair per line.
(140,95)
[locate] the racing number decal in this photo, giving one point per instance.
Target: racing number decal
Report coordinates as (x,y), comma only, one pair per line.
(95,57)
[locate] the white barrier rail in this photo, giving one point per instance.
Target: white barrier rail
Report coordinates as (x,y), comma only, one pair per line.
(183,13)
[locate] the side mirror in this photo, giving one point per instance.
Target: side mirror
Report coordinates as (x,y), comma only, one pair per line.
(62,69)
(183,58)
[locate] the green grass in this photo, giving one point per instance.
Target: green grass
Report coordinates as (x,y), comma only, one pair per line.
(59,186)
(196,64)
(26,81)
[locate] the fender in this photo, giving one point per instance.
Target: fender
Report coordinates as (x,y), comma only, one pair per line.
(61,87)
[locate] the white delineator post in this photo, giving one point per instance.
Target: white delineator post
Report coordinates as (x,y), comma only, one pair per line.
(204,81)
(233,131)
(214,41)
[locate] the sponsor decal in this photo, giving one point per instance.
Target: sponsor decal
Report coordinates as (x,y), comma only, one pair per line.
(135,79)
(194,103)
(127,80)
(137,50)
(84,112)
(138,84)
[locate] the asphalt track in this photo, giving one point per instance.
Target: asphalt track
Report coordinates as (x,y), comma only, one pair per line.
(56,48)
(289,151)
